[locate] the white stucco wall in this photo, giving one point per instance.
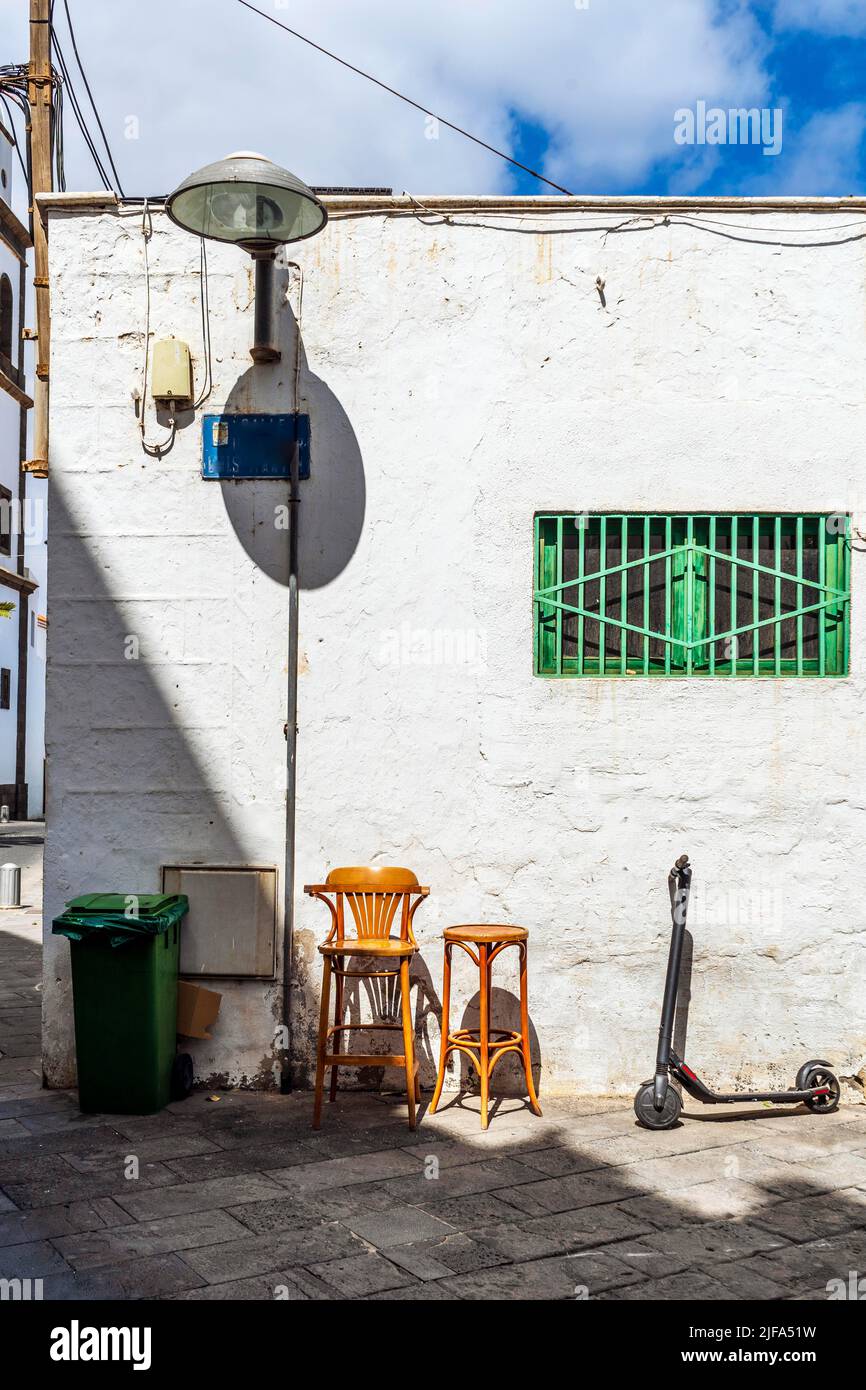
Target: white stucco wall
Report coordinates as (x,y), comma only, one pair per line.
(460,377)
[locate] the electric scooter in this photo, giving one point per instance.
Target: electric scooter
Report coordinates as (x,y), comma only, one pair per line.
(657,1103)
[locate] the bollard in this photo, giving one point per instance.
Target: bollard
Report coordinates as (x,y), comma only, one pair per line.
(10,885)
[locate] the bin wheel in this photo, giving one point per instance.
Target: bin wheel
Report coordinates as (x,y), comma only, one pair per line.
(181,1076)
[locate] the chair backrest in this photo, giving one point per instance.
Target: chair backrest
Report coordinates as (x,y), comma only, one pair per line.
(375,897)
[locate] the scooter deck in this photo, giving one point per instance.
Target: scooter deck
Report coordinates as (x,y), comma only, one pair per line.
(695,1087)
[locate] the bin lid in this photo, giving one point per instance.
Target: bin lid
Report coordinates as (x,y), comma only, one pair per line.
(93,913)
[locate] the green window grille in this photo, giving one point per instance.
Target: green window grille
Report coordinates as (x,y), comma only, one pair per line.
(691,595)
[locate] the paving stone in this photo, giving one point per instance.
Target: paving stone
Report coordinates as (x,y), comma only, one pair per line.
(263,1288)
(164,1150)
(563,1233)
(736,1160)
(258,1254)
(745,1282)
(30,1260)
(341,1172)
(218,1163)
(81,1186)
(456,1253)
(688,1287)
(64,1141)
(563,1277)
(20,1227)
(827,1214)
(170,1235)
(815,1262)
(12,1129)
(36,1104)
(473,1210)
(361,1275)
(705,1201)
(197,1196)
(835,1170)
(156,1277)
(22,1045)
(342,1203)
(449,1153)
(566,1194)
(486,1176)
(283,1213)
(705,1244)
(398,1226)
(415,1293)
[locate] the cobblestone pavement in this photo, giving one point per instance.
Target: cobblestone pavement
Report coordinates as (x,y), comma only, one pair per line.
(237,1198)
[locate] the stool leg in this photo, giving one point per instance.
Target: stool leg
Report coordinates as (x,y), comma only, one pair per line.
(408,1041)
(323,1042)
(524,1032)
(338,1018)
(446,1009)
(484,1050)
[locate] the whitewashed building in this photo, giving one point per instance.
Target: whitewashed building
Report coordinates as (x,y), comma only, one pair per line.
(504,396)
(22,660)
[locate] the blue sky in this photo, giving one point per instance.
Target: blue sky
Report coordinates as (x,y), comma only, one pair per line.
(585,90)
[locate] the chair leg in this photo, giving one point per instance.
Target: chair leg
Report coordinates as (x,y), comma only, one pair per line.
(446,1009)
(338,1018)
(484,1049)
(408,1042)
(323,1042)
(524,1032)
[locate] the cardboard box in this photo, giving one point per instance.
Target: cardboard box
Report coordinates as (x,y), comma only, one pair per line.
(197,1008)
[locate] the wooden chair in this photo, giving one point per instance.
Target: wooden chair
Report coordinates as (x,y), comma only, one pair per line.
(376,898)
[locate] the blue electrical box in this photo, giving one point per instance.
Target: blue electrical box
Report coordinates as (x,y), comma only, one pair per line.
(254,446)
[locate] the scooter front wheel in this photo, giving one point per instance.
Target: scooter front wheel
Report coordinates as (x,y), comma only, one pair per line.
(646,1112)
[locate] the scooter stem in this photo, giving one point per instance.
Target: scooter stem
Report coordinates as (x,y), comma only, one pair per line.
(680,878)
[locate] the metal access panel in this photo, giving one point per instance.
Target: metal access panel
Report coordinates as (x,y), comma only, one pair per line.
(231,927)
(254,446)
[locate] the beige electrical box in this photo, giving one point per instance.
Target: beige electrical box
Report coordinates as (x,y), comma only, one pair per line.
(171,373)
(231,927)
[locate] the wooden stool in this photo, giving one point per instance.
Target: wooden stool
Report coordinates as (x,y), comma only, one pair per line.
(376,897)
(485,1045)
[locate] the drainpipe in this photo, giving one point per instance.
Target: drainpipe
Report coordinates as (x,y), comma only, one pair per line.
(21,808)
(291,759)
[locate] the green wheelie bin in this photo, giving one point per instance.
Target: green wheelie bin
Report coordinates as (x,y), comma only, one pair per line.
(125,949)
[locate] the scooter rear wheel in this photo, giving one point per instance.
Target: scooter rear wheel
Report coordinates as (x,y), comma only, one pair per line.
(816,1074)
(646,1112)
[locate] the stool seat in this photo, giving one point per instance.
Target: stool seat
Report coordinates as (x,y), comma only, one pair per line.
(479,932)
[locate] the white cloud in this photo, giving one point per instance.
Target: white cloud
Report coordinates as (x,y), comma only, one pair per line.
(841,17)
(204,77)
(819,158)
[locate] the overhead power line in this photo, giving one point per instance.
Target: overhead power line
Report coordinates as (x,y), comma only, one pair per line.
(408,100)
(89,141)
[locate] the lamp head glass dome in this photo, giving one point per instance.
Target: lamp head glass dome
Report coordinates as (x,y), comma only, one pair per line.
(247,200)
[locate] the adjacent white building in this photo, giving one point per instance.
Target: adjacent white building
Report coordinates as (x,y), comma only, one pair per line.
(22,534)
(526,415)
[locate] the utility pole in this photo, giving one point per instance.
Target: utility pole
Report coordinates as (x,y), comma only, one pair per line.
(39,94)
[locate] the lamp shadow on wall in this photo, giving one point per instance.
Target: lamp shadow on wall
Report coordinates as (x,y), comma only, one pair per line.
(333,498)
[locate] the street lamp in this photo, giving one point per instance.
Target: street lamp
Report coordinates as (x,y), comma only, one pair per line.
(247,200)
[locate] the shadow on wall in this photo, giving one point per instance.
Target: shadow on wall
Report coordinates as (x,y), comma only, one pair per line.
(127,791)
(333,498)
